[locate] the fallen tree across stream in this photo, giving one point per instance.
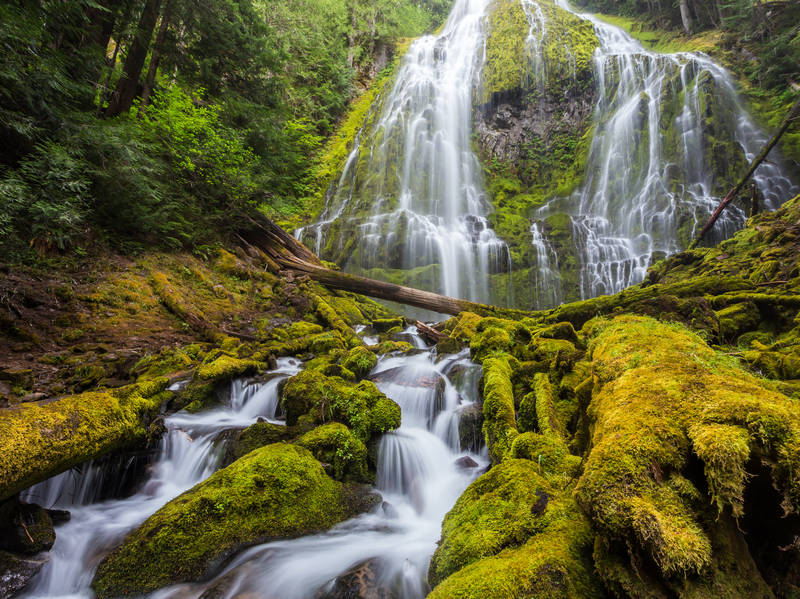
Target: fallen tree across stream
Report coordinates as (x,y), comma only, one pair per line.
(283,253)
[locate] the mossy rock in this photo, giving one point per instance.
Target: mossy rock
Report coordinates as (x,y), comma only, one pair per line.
(259,434)
(322,399)
(360,361)
(225,368)
(275,492)
(499,425)
(496,511)
(738,319)
(335,445)
(662,397)
(555,563)
(40,441)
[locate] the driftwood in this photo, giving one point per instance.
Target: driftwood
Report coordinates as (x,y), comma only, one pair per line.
(793,114)
(429,332)
(290,256)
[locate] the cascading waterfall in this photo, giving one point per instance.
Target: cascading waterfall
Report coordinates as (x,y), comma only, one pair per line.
(187,455)
(419,477)
(650,179)
(411,189)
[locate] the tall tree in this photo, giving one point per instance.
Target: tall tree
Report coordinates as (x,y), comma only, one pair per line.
(128,84)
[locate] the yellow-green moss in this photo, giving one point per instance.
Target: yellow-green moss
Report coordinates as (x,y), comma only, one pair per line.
(494,512)
(360,406)
(360,361)
(554,564)
(226,368)
(334,444)
(499,424)
(274,492)
(39,441)
(661,394)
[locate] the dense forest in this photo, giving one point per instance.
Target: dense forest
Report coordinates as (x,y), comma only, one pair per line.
(163,122)
(396,299)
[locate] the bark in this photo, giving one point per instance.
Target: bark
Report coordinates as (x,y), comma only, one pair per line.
(129,82)
(288,254)
(686,17)
(155,57)
(794,113)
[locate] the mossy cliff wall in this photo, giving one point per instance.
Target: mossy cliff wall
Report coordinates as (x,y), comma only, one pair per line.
(532,125)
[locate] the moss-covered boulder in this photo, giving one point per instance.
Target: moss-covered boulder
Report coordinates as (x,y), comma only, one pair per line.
(497,510)
(239,443)
(662,400)
(318,398)
(360,361)
(555,563)
(499,424)
(335,445)
(278,491)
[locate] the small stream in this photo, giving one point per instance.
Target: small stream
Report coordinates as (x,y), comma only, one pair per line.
(417,476)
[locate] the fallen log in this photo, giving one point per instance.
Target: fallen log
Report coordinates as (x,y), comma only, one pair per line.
(293,257)
(787,121)
(429,332)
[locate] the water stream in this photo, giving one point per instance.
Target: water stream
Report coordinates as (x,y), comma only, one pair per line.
(417,475)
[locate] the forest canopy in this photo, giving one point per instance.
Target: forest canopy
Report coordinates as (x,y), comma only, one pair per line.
(163,121)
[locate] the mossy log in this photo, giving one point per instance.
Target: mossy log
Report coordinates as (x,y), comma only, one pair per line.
(41,440)
(290,255)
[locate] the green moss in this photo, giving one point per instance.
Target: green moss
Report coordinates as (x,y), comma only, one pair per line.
(494,512)
(255,436)
(661,394)
(360,361)
(225,368)
(301,328)
(278,491)
(553,564)
(335,445)
(360,406)
(737,319)
(40,441)
(499,425)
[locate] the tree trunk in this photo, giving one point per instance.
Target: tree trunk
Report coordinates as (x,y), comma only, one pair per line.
(155,56)
(129,82)
(284,252)
(686,17)
(794,113)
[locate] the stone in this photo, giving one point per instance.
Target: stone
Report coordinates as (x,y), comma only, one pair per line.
(466,463)
(360,582)
(16,572)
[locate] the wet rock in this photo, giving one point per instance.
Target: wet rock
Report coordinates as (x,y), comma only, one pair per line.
(34,397)
(360,582)
(466,463)
(59,516)
(389,510)
(25,528)
(16,572)
(470,427)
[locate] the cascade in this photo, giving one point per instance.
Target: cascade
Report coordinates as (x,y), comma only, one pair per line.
(410,197)
(417,476)
(671,136)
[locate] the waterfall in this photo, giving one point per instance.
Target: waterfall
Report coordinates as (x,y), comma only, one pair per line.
(671,135)
(188,453)
(410,198)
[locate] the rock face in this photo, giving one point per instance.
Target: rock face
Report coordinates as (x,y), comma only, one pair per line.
(25,528)
(532,122)
(277,491)
(16,572)
(360,582)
